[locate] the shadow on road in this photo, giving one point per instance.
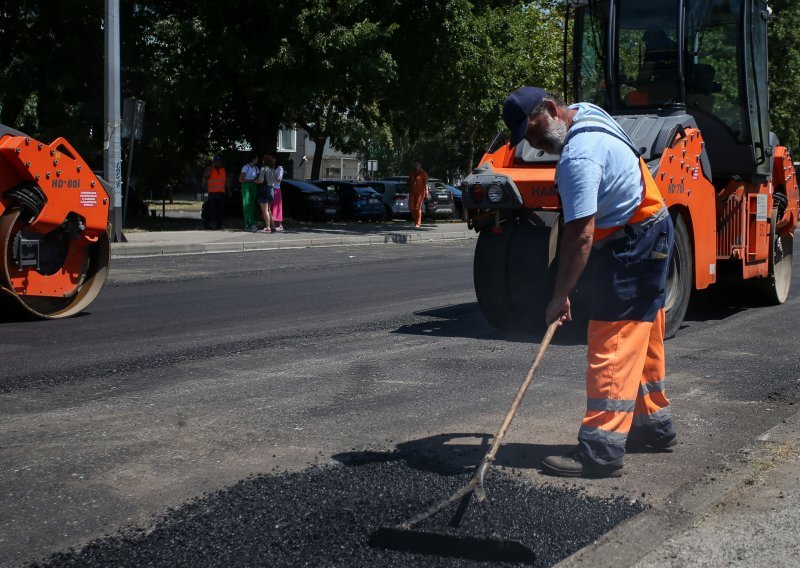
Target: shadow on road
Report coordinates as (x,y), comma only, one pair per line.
(388,228)
(466,321)
(455,454)
(459,320)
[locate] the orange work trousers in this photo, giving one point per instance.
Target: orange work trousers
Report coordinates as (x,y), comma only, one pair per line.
(415,200)
(624,386)
(625,391)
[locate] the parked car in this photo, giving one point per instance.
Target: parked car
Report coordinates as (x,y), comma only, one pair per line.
(394,195)
(440,202)
(457,201)
(357,199)
(306,201)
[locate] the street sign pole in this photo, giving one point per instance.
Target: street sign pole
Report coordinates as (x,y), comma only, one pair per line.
(128,183)
(132,119)
(112,146)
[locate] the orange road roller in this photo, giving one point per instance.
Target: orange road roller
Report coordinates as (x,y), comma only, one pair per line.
(54,228)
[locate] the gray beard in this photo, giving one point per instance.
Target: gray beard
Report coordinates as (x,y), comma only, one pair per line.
(555,137)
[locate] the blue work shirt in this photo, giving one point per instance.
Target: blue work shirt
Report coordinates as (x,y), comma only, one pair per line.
(598,174)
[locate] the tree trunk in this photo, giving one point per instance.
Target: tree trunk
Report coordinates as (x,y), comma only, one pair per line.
(471,152)
(319,150)
(266,136)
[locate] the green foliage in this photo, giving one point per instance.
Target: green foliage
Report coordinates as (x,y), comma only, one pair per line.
(47,71)
(390,78)
(784,68)
(337,71)
(393,80)
(457,61)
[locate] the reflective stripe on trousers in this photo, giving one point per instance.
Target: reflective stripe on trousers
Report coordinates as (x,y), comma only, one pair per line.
(626,367)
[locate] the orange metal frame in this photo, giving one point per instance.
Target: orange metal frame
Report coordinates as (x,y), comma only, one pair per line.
(70,187)
(731,224)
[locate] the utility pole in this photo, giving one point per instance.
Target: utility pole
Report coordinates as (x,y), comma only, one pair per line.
(112,145)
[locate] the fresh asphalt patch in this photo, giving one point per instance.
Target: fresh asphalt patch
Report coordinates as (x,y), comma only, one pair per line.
(324,516)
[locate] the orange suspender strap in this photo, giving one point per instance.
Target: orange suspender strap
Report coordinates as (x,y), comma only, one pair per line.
(651,203)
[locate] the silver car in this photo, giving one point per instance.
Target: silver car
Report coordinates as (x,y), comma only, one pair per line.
(439,204)
(394,195)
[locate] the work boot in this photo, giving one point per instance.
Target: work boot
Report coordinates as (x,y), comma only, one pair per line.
(640,443)
(575,464)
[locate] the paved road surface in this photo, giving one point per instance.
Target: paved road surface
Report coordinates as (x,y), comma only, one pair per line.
(191,373)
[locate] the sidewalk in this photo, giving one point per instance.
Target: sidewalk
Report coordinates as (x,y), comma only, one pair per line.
(746,514)
(165,243)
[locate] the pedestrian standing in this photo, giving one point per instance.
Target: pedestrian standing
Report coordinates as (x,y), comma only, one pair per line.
(216,181)
(418,191)
(614,212)
(247,179)
(266,191)
(276,208)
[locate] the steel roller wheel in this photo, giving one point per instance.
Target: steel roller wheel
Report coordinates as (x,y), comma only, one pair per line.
(89,264)
(774,289)
(679,278)
(514,272)
(490,278)
(531,273)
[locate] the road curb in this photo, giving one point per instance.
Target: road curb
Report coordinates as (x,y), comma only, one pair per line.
(139,250)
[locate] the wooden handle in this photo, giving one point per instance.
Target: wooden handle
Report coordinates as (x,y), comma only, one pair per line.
(498,438)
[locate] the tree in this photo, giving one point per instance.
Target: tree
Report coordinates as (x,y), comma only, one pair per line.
(210,77)
(503,49)
(337,72)
(381,77)
(784,67)
(51,71)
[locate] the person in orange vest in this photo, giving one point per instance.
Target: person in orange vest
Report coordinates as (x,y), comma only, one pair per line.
(615,216)
(216,181)
(418,191)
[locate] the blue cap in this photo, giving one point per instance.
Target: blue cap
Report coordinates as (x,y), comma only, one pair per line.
(217,158)
(518,108)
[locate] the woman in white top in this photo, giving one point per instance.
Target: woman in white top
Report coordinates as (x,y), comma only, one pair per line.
(247,179)
(266,191)
(276,208)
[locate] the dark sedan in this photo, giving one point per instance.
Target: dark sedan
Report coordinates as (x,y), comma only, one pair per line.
(457,201)
(440,202)
(306,201)
(357,199)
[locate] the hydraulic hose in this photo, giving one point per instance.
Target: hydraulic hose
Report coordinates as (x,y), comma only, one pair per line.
(30,197)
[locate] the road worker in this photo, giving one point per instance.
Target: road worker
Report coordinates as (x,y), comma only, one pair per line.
(216,180)
(613,210)
(418,191)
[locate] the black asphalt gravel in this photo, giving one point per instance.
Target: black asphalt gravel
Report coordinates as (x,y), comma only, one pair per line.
(324,515)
